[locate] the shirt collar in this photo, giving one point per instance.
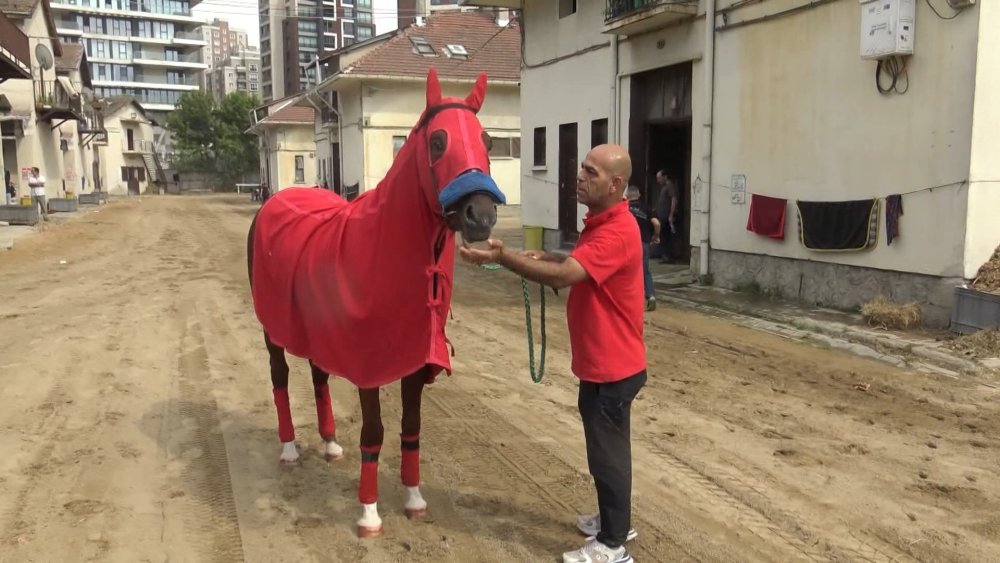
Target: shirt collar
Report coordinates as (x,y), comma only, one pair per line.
(596,219)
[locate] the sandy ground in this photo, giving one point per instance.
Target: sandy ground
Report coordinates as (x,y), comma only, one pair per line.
(138,426)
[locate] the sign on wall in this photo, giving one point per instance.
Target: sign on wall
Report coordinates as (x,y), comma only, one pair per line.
(738,193)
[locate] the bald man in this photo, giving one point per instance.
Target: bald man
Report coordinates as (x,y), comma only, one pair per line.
(605,317)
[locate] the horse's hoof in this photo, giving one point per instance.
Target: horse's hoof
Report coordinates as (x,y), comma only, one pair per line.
(369,532)
(416,513)
(334,457)
(288,462)
(332,451)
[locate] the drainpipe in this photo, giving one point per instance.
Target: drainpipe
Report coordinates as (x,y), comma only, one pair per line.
(706,155)
(613,118)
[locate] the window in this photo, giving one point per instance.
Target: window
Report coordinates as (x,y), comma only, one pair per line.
(253,68)
(300,169)
(566,8)
(397,144)
(500,147)
(364,32)
(539,147)
(348,28)
(422,46)
(598,132)
(515,147)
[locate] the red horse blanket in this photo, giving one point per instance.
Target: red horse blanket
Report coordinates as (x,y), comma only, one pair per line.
(326,284)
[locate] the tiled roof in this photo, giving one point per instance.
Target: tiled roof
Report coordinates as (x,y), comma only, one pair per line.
(72,54)
(17,7)
(490,48)
(292,114)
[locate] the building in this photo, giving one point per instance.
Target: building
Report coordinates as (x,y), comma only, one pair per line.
(781,101)
(130,136)
(287,144)
(239,73)
(43,114)
(221,41)
(294,33)
(378,90)
(150,51)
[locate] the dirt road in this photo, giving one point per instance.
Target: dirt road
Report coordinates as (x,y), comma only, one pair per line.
(137,425)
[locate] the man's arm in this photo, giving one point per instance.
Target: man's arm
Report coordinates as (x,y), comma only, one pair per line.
(656,228)
(558,275)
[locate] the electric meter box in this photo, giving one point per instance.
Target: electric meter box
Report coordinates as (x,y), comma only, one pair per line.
(887,28)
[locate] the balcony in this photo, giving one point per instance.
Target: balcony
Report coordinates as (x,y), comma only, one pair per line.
(192,60)
(57,100)
(632,17)
(137,146)
(69,27)
(15,52)
(189,38)
(135,10)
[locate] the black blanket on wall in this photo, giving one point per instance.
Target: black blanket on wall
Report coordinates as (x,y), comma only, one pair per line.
(838,225)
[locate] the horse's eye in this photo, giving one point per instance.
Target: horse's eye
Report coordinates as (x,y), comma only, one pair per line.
(488,141)
(438,143)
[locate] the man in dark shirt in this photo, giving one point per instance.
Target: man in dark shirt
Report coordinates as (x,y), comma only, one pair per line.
(649,232)
(666,212)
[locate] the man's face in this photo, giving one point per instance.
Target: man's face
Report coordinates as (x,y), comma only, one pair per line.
(660,179)
(594,183)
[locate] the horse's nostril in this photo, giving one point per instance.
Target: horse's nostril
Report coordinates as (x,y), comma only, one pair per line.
(469,213)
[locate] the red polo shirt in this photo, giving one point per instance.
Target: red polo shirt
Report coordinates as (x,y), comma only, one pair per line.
(605,311)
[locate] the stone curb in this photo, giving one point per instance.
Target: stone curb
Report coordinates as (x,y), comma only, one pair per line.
(885,348)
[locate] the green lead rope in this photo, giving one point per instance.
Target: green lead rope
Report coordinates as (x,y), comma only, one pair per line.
(536,376)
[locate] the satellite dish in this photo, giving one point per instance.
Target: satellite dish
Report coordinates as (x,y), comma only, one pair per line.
(44,56)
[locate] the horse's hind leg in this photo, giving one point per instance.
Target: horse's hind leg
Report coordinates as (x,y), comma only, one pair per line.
(324,414)
(412,388)
(279,383)
(372,434)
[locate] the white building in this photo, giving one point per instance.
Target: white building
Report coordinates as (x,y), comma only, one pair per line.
(379,91)
(777,97)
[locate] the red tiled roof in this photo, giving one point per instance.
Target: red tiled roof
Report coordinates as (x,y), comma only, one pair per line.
(292,114)
(491,48)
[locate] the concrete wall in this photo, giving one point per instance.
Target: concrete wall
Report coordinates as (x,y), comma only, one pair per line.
(284,143)
(393,108)
(573,90)
(809,124)
(983,231)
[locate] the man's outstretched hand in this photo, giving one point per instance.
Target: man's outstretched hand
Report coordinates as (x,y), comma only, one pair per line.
(479,257)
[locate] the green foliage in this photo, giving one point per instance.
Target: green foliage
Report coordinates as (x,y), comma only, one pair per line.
(209,136)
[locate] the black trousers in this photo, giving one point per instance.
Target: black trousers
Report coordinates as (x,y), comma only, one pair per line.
(606,409)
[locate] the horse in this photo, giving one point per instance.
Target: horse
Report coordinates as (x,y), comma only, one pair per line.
(362,289)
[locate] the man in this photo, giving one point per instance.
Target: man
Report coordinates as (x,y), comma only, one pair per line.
(666,212)
(37,184)
(649,231)
(10,193)
(604,312)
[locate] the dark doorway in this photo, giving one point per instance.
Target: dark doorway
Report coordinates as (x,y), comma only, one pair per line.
(660,138)
(668,148)
(335,168)
(130,139)
(568,162)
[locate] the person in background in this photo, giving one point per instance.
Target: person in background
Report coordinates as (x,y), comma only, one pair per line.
(37,184)
(649,231)
(10,193)
(666,213)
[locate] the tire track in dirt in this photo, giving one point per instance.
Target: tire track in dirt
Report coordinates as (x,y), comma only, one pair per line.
(210,516)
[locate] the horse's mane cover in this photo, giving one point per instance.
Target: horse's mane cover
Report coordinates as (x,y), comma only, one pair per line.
(363,288)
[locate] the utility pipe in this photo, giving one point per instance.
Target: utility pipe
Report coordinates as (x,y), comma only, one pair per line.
(706,159)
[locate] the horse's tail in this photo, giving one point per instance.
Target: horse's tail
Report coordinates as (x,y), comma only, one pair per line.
(250,237)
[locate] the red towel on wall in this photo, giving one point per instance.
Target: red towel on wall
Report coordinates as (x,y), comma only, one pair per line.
(767,216)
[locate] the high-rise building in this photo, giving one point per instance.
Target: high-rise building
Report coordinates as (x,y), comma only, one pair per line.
(147,49)
(221,41)
(240,72)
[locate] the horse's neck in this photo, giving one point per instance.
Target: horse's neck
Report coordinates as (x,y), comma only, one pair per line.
(401,208)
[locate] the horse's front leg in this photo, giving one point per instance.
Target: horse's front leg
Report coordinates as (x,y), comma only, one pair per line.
(324,414)
(412,388)
(372,433)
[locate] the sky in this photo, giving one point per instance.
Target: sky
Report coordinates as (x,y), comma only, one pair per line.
(243,14)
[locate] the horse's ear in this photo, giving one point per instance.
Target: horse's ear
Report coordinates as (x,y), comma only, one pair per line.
(433,89)
(478,93)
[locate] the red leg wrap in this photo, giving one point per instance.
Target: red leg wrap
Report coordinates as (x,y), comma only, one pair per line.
(324,412)
(368,488)
(410,464)
(286,430)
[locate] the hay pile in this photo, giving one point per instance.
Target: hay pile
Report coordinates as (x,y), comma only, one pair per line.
(981,344)
(988,277)
(882,313)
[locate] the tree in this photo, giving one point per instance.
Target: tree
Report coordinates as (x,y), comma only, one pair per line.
(210,136)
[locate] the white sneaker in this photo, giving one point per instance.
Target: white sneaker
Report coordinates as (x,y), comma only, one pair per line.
(596,552)
(590,525)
